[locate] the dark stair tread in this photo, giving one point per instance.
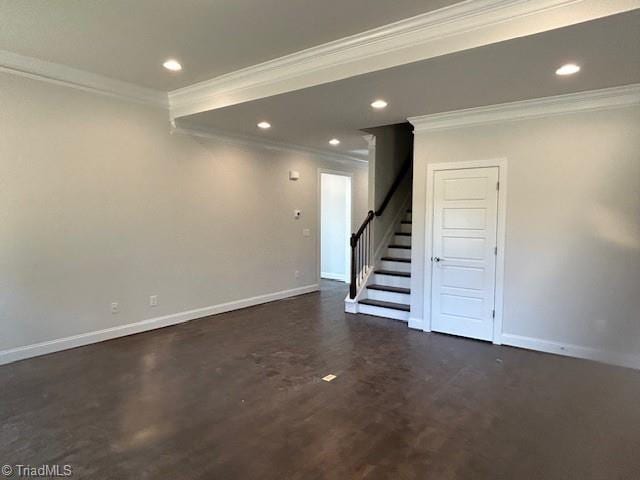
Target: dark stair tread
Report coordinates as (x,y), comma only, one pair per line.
(378,303)
(396,259)
(404,247)
(393,273)
(406,222)
(403,234)
(408,210)
(387,288)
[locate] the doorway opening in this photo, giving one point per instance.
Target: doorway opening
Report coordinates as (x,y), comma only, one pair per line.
(335,225)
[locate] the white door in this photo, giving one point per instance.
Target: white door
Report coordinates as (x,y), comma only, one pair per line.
(465,217)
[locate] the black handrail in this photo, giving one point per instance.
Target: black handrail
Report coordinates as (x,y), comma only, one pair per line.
(361,250)
(394,186)
(370,216)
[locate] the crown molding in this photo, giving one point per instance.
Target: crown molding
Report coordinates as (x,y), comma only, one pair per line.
(370,139)
(254,142)
(592,100)
(71,77)
(461,26)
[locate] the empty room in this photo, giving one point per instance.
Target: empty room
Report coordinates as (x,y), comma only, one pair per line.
(357,239)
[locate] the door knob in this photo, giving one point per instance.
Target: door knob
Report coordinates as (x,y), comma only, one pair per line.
(436,259)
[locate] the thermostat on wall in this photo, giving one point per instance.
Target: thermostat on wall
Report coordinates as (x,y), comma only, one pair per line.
(294,175)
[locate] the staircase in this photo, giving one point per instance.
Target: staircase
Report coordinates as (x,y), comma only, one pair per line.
(387,290)
(381,286)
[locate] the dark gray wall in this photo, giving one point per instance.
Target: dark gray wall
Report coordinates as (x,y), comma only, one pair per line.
(394,144)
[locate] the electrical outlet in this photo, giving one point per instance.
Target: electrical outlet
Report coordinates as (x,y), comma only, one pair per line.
(306,232)
(153,301)
(297,274)
(115,307)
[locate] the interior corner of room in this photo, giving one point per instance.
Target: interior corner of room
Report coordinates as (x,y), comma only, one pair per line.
(417,220)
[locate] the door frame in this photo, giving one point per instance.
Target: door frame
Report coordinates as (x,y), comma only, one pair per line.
(432,168)
(319,221)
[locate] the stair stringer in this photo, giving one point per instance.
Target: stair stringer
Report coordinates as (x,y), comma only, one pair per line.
(388,235)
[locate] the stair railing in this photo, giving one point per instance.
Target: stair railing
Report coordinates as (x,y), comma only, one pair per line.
(361,247)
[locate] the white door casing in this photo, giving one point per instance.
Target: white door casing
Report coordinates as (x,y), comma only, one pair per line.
(464,250)
(349,207)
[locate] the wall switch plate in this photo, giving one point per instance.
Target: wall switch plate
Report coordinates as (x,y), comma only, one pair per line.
(153,301)
(297,214)
(115,307)
(306,232)
(297,274)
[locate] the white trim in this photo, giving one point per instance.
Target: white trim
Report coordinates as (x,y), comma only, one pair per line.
(352,305)
(370,139)
(333,276)
(256,142)
(570,350)
(501,163)
(592,100)
(43,348)
(416,324)
(501,239)
(384,312)
(458,27)
(71,77)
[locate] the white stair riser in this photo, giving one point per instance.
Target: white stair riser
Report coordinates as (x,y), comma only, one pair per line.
(404,227)
(397,266)
(391,281)
(384,312)
(389,296)
(401,240)
(398,253)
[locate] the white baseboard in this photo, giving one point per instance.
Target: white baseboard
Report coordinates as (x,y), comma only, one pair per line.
(416,323)
(37,349)
(577,351)
(333,276)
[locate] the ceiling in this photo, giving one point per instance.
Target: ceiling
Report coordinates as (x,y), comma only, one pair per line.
(129,39)
(523,68)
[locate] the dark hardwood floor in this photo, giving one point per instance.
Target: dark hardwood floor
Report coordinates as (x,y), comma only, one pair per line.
(240,396)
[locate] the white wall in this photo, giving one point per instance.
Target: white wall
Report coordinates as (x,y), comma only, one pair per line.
(100,203)
(335,225)
(572,261)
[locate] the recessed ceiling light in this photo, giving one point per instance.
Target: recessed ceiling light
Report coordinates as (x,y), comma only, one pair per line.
(379,104)
(264,125)
(568,69)
(172,65)
(334,142)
